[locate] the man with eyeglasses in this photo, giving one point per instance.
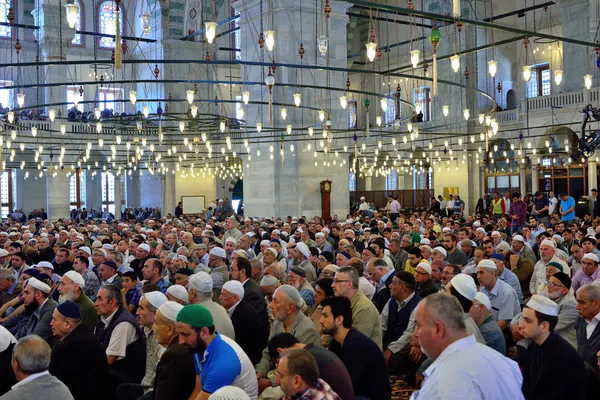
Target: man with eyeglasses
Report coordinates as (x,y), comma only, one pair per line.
(559,285)
(449,272)
(589,273)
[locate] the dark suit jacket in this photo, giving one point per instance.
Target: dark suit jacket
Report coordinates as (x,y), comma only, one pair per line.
(175,373)
(426,288)
(250,332)
(79,361)
(381,297)
(253,295)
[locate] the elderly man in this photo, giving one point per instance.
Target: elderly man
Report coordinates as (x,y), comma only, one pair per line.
(120,335)
(175,372)
(383,275)
(520,248)
(44,252)
(559,285)
(219,360)
(251,332)
(589,273)
(71,288)
(146,312)
(230,225)
(92,283)
(489,329)
(507,276)
(78,358)
(288,317)
(303,255)
(217,261)
(142,252)
(470,367)
(547,350)
(365,317)
(587,325)
(30,361)
(244,244)
(298,280)
(397,254)
(201,292)
(424,284)
(9,286)
(504,299)
(547,254)
(322,243)
(38,308)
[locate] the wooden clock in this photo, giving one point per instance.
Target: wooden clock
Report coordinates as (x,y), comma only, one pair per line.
(326,200)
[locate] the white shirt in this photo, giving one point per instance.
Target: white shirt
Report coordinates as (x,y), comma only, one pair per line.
(450,205)
(552,205)
(122,336)
(29,379)
(589,329)
(366,287)
(468,370)
(364,206)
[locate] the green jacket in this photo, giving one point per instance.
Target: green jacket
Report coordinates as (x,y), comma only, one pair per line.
(365,318)
(88,311)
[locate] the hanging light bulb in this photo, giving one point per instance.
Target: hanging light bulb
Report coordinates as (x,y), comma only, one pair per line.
(492,67)
(409,126)
(587,81)
(297,99)
(323,44)
(321,115)
(258,127)
(11,117)
(481,118)
(558,75)
(246,97)
(132,97)
(63,129)
(194,110)
(210,30)
(190,96)
(146,111)
(97,113)
(72,11)
(445,110)
(455,62)
(270,40)
(13,135)
(343,102)
(488,119)
(145,21)
(118,138)
(466,114)
(526,73)
(222,126)
(240,112)
(100,142)
(289,129)
(311,131)
(99,127)
(283,113)
(52,114)
(378,120)
(21,99)
(181,126)
(383,104)
(414,58)
(371,51)
(34,131)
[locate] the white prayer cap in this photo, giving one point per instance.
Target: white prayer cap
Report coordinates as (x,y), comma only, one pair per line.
(518,238)
(425,266)
(480,229)
(265,242)
(231,239)
(6,338)
(45,264)
(476,224)
(108,246)
(425,246)
(487,264)
(234,287)
(548,242)
(39,285)
(441,250)
(76,278)
(170,309)
(229,393)
(591,256)
(446,229)
(331,268)
(97,244)
(144,247)
(292,293)
(272,250)
(268,280)
(425,241)
(543,305)
(156,298)
(201,281)
(241,253)
(276,231)
(250,234)
(483,299)
(218,252)
(465,285)
(349,231)
(179,292)
(181,257)
(496,233)
(503,246)
(326,230)
(86,250)
(104,253)
(558,238)
(303,248)
(320,234)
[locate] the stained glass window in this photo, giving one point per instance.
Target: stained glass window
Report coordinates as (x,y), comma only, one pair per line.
(107,22)
(352,182)
(77,40)
(5,31)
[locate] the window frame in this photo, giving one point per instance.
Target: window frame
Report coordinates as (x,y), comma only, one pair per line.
(105,180)
(11,92)
(10,186)
(352,111)
(81,23)
(117,92)
(77,203)
(537,71)
(427,101)
(123,30)
(12,30)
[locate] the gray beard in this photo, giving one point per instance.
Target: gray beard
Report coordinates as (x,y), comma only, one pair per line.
(64,297)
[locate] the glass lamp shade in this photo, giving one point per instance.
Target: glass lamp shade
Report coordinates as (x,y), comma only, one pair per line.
(210,31)
(288,129)
(99,127)
(378,119)
(194,110)
(181,126)
(190,96)
(222,126)
(133,97)
(311,131)
(383,104)
(466,113)
(258,127)
(371,51)
(488,119)
(11,117)
(343,102)
(587,81)
(270,40)
(323,44)
(409,126)
(34,131)
(492,67)
(145,21)
(445,110)
(481,118)
(414,58)
(558,75)
(146,111)
(283,113)
(21,99)
(526,73)
(455,62)
(51,114)
(246,97)
(297,99)
(321,115)
(97,113)
(72,11)
(270,80)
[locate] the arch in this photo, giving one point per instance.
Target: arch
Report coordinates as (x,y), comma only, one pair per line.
(502,151)
(107,22)
(78,39)
(511,100)
(557,137)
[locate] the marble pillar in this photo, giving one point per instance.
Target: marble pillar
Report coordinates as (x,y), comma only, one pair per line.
(118,197)
(93,192)
(169,201)
(592,179)
(523,178)
(368,184)
(535,177)
(57,196)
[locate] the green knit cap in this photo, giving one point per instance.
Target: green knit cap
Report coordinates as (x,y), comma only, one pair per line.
(195,316)
(556,265)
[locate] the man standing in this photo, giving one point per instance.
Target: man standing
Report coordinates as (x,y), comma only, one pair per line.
(463,367)
(541,206)
(175,373)
(71,288)
(567,207)
(449,206)
(78,358)
(231,230)
(498,206)
(179,210)
(547,350)
(552,202)
(219,360)
(361,356)
(517,213)
(393,207)
(459,207)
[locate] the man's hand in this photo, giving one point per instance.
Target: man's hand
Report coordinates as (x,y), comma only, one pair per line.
(415,354)
(516,333)
(387,354)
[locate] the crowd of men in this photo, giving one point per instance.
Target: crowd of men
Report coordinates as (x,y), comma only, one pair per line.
(495,305)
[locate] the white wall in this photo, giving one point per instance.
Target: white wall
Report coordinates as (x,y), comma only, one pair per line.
(195,186)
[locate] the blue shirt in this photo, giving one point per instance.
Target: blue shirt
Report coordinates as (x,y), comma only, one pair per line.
(565,205)
(458,205)
(510,278)
(468,370)
(505,303)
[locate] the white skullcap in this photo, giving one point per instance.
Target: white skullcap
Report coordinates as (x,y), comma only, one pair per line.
(231,240)
(465,285)
(170,309)
(326,230)
(299,230)
(241,253)
(543,305)
(441,250)
(250,234)
(518,238)
(6,338)
(181,257)
(234,287)
(229,393)
(425,246)
(476,224)
(496,233)
(86,250)
(39,285)
(276,231)
(487,264)
(179,292)
(548,242)
(320,234)
(590,256)
(96,244)
(483,299)
(292,293)
(558,238)
(3,253)
(265,242)
(76,278)
(272,250)
(107,246)
(156,298)
(303,249)
(446,229)
(503,246)
(218,252)
(480,229)
(45,264)
(144,247)
(268,280)
(425,241)
(425,266)
(349,231)
(201,281)
(332,268)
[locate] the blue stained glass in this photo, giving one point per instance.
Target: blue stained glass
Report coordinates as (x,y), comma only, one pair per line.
(107,22)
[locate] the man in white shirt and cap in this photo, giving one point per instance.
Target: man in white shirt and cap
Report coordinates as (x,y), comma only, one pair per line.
(504,299)
(178,294)
(552,367)
(304,263)
(364,205)
(200,291)
(547,255)
(146,312)
(219,274)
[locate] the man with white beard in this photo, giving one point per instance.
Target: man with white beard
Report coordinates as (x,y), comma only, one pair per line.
(71,288)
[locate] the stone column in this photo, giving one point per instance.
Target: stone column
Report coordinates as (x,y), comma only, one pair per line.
(93,192)
(592,180)
(169,201)
(117,197)
(57,196)
(535,177)
(368,184)
(522,178)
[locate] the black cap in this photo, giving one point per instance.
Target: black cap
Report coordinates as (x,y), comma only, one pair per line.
(406,277)
(564,279)
(185,271)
